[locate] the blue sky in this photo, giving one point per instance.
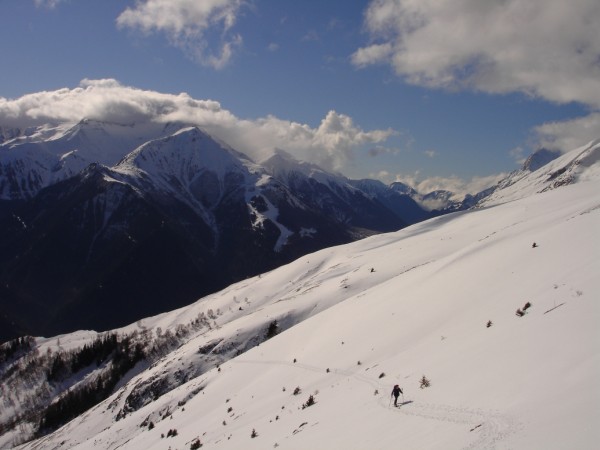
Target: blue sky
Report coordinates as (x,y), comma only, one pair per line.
(438,94)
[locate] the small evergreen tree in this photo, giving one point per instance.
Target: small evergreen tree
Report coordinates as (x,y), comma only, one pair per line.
(272,330)
(424,382)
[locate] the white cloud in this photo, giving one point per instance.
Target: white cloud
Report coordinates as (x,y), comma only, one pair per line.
(187,23)
(378,150)
(381,175)
(50,4)
(311,35)
(568,135)
(545,48)
(330,145)
(459,186)
(518,154)
(373,54)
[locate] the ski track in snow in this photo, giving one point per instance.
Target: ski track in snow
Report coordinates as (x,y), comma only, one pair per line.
(491,427)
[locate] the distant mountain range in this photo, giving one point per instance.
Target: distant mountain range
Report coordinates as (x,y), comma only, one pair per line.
(106,223)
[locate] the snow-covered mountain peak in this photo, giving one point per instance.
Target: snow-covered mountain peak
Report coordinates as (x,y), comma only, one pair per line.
(283,165)
(540,158)
(34,158)
(402,188)
(371,187)
(184,155)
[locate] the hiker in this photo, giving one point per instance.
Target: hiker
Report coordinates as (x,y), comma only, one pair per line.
(396,392)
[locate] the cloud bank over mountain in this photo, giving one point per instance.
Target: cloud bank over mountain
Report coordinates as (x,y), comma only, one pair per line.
(568,133)
(458,186)
(331,144)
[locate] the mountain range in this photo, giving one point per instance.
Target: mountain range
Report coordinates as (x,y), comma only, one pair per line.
(487,318)
(142,218)
(99,217)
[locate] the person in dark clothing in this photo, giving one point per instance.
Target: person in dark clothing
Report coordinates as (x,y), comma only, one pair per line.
(396,392)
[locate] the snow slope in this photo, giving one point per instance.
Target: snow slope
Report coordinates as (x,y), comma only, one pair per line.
(392,308)
(577,165)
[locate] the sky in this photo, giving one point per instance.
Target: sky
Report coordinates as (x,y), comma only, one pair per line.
(437,94)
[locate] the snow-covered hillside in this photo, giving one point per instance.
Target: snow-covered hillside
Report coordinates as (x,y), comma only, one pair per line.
(437,300)
(577,165)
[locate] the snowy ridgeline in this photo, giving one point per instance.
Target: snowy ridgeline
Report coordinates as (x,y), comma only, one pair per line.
(493,339)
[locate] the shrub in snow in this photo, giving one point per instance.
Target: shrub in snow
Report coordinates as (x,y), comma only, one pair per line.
(521,312)
(489,324)
(196,444)
(309,402)
(382,374)
(297,390)
(151,425)
(254,433)
(424,382)
(172,433)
